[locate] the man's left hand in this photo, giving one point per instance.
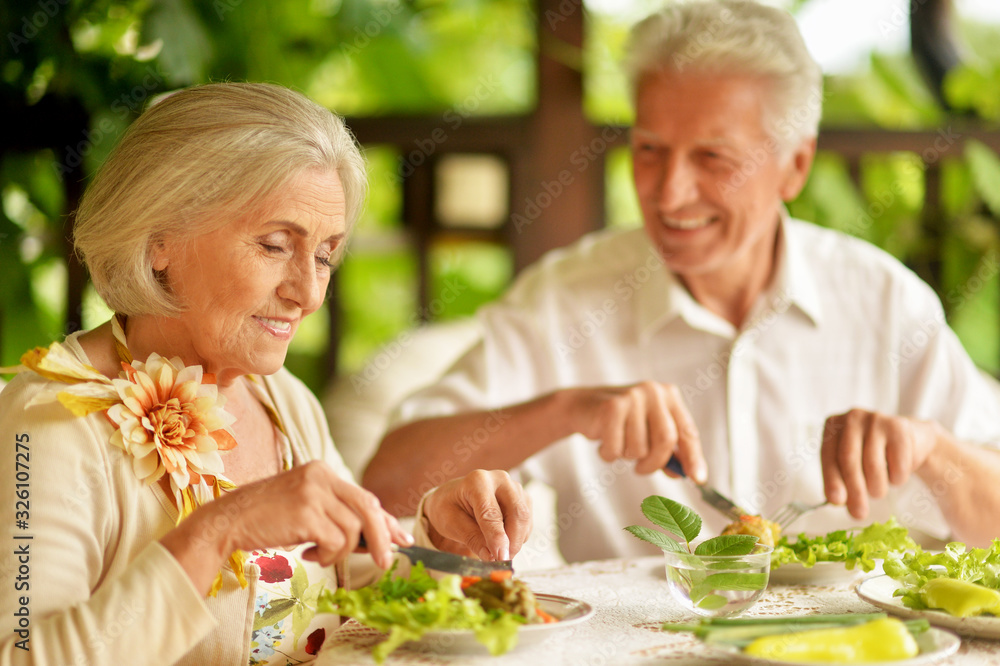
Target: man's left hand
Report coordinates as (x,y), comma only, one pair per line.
(864,452)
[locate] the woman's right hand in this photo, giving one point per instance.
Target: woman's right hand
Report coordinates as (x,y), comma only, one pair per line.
(309,503)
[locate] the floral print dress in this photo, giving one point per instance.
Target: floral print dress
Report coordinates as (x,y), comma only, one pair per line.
(286,628)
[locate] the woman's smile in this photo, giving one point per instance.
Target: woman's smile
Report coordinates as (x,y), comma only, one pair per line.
(279,328)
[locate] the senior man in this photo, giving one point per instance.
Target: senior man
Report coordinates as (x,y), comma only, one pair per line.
(776,359)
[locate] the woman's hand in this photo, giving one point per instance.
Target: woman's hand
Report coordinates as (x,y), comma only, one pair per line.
(306,504)
(482,513)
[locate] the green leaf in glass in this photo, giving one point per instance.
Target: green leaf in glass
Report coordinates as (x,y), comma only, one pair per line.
(712,602)
(672,516)
(658,539)
(728,581)
(727,544)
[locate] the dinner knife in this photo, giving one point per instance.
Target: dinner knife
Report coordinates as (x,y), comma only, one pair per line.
(439,560)
(712,496)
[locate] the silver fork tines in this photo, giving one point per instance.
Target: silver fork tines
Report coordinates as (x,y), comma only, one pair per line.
(791,512)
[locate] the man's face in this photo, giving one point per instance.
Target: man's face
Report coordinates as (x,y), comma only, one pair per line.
(710,180)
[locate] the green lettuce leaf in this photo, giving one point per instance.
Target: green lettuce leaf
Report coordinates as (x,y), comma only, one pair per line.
(853,548)
(407,608)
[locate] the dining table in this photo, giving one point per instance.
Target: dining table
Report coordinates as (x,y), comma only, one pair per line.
(631,600)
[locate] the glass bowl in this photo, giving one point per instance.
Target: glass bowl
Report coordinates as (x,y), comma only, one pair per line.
(718,585)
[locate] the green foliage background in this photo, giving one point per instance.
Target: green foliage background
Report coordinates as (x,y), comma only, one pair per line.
(373,57)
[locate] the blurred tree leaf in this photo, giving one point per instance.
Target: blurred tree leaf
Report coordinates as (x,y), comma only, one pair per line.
(958,193)
(893,186)
(984,165)
(971,294)
(378,301)
(19,315)
(466,275)
(606,93)
(973,88)
(831,199)
(897,95)
(187,48)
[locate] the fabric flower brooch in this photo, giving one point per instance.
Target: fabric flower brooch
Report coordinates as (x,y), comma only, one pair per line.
(169,418)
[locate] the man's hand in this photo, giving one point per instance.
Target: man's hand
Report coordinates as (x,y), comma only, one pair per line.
(647,422)
(864,452)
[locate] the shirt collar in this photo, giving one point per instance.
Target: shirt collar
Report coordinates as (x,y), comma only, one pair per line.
(796,278)
(664,298)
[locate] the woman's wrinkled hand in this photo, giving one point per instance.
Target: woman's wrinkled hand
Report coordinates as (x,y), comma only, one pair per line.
(484,513)
(307,504)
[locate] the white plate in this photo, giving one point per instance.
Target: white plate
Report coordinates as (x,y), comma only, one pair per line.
(821,573)
(878,591)
(571,612)
(935,645)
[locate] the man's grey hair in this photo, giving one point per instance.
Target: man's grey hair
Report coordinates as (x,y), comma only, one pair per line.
(736,37)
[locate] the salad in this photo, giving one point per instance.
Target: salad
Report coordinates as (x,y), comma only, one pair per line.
(852,547)
(959,580)
(407,608)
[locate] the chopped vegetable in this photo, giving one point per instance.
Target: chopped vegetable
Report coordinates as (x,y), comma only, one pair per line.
(501,575)
(507,595)
(884,639)
(861,549)
(546,618)
(766,531)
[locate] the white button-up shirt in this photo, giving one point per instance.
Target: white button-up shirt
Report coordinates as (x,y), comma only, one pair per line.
(843,325)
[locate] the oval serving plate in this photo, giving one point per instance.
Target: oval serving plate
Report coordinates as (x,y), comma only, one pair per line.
(935,645)
(571,612)
(878,590)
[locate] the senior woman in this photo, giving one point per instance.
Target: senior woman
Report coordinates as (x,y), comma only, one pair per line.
(178,498)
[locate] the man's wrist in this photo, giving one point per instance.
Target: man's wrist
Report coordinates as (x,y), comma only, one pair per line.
(943,457)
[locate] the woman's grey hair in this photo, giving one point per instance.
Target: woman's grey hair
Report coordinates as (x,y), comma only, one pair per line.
(194,161)
(736,37)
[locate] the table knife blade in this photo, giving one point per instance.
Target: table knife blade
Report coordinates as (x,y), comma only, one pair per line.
(712,497)
(451,563)
(439,560)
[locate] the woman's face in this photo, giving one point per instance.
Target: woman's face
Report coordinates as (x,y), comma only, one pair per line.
(247,286)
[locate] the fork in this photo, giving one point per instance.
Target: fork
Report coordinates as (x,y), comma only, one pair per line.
(792,511)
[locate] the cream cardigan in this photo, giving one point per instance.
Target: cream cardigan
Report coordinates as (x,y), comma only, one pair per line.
(97,585)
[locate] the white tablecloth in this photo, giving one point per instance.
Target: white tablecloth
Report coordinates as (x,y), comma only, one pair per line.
(631,601)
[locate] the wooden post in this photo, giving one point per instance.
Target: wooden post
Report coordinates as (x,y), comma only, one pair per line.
(933,44)
(557,192)
(418,216)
